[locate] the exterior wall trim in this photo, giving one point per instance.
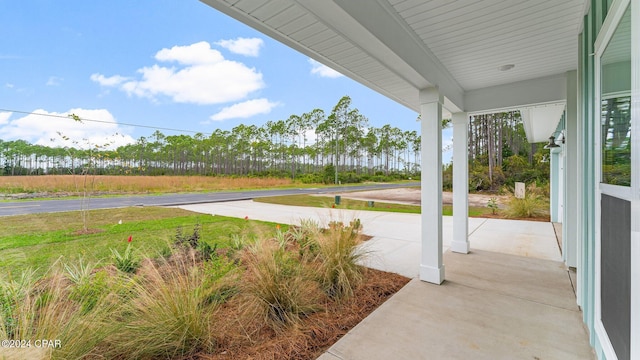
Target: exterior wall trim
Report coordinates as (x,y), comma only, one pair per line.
(614,15)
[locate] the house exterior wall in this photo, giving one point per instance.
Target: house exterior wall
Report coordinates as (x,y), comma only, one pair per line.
(599,285)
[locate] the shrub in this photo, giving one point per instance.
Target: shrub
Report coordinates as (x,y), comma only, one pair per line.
(190,240)
(310,178)
(349,177)
(493,205)
(195,242)
(277,289)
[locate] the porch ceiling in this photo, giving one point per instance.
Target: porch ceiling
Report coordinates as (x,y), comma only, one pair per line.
(397,47)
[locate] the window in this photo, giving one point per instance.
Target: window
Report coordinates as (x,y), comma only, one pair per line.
(615,87)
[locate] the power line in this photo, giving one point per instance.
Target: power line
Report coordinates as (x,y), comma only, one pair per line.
(104,122)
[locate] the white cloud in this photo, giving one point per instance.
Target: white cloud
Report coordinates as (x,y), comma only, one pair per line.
(243,46)
(4,117)
(205,78)
(54,81)
(8,85)
(108,81)
(323,70)
(50,129)
(245,109)
(194,54)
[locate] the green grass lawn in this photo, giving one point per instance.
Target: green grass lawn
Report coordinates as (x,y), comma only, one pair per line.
(38,240)
(327,202)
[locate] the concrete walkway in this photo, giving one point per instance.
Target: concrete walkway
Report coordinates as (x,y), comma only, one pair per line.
(510,298)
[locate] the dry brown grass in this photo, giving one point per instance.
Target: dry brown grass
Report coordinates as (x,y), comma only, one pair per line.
(72,185)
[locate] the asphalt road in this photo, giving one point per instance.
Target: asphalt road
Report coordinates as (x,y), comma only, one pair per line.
(44,206)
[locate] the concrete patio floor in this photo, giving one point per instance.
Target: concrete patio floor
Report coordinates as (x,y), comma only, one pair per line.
(510,298)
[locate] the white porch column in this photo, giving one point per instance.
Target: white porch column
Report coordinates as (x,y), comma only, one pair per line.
(460,242)
(431,267)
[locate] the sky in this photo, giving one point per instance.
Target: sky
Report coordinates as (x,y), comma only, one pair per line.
(167,64)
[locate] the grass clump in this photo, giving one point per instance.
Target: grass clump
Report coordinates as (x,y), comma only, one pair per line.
(338,258)
(277,287)
(88,285)
(42,308)
(532,205)
(169,313)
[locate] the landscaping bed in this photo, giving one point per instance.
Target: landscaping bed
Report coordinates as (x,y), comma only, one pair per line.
(223,289)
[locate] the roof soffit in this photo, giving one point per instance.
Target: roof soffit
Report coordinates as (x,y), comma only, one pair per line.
(397,47)
(319,32)
(382,22)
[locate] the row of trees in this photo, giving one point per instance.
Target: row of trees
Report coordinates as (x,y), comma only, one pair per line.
(308,147)
(499,153)
(302,144)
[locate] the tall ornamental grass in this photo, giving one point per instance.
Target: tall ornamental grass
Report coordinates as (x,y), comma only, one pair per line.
(338,258)
(169,314)
(41,308)
(532,205)
(277,288)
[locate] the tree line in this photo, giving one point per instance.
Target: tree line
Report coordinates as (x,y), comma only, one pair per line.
(499,153)
(309,147)
(301,146)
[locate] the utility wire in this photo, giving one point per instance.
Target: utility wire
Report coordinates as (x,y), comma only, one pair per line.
(103,121)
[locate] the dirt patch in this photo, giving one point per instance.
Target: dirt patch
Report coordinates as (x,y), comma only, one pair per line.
(320,330)
(412,196)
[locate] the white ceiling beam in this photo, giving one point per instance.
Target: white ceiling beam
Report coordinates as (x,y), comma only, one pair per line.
(513,96)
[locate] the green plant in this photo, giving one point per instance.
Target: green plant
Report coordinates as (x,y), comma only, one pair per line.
(41,309)
(277,288)
(221,277)
(90,291)
(493,205)
(126,262)
(310,226)
(88,287)
(78,272)
(305,235)
(15,304)
(207,251)
(165,252)
(338,257)
(281,237)
(237,241)
(191,240)
(532,205)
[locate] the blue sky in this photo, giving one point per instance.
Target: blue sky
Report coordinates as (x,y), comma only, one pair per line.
(165,63)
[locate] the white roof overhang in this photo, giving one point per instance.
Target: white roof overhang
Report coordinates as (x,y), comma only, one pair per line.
(398,47)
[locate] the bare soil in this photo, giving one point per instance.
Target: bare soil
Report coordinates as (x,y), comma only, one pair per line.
(412,196)
(318,331)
